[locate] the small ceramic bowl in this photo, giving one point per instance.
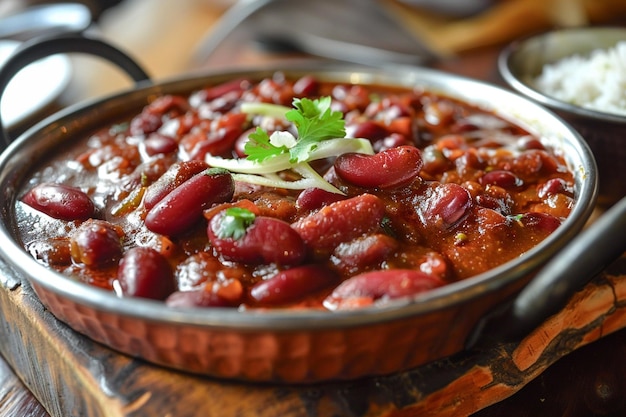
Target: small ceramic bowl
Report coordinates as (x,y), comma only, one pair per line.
(521,62)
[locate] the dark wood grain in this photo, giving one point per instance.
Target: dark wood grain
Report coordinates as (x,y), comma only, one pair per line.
(15,398)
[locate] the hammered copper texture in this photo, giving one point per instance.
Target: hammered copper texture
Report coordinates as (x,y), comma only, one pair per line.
(297,356)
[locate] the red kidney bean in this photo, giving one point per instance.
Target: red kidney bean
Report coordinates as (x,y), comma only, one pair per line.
(217,139)
(182,208)
(157,143)
(172,178)
(501,178)
(151,118)
(232,121)
(195,298)
(470,161)
(170,105)
(352,96)
(202,297)
(388,284)
(51,251)
(443,205)
(493,202)
(439,113)
(554,186)
(292,285)
(145,123)
(314,198)
(144,272)
(367,129)
(529,142)
(363,252)
(266,240)
(275,90)
(96,243)
(60,201)
(390,168)
(235,86)
(465,125)
(435,162)
(541,221)
(204,268)
(341,221)
(146,173)
(388,110)
(394,140)
(306,86)
(179,126)
(496,198)
(533,163)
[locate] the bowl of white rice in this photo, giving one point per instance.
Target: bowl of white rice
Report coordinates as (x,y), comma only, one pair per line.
(579,73)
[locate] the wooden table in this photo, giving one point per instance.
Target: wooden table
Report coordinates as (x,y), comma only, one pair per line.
(71,375)
(579,373)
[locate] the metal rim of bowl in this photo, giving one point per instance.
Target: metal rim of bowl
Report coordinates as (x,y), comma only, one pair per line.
(281,320)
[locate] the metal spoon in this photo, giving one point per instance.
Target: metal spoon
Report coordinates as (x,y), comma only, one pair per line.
(353,31)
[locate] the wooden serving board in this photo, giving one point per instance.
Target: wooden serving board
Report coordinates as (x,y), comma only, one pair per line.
(74,376)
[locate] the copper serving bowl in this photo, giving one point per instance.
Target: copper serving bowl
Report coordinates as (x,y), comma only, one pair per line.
(277,345)
(522,61)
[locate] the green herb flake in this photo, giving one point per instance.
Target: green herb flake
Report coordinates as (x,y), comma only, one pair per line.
(235,222)
(129,203)
(316,122)
(517,218)
(387,227)
(320,134)
(259,148)
(460,238)
(119,128)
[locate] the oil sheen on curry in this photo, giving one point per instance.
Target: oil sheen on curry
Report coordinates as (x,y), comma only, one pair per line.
(285,193)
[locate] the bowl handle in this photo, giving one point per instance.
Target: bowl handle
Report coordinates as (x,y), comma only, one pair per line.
(42,47)
(582,259)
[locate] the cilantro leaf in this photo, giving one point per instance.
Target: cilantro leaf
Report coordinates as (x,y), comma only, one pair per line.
(259,148)
(320,134)
(235,221)
(316,122)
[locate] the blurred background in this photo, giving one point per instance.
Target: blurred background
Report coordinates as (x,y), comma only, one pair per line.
(170,38)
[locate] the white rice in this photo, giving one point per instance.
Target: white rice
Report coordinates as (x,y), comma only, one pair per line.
(596,81)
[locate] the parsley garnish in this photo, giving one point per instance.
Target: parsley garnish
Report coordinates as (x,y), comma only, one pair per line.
(315,122)
(259,147)
(321,134)
(235,221)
